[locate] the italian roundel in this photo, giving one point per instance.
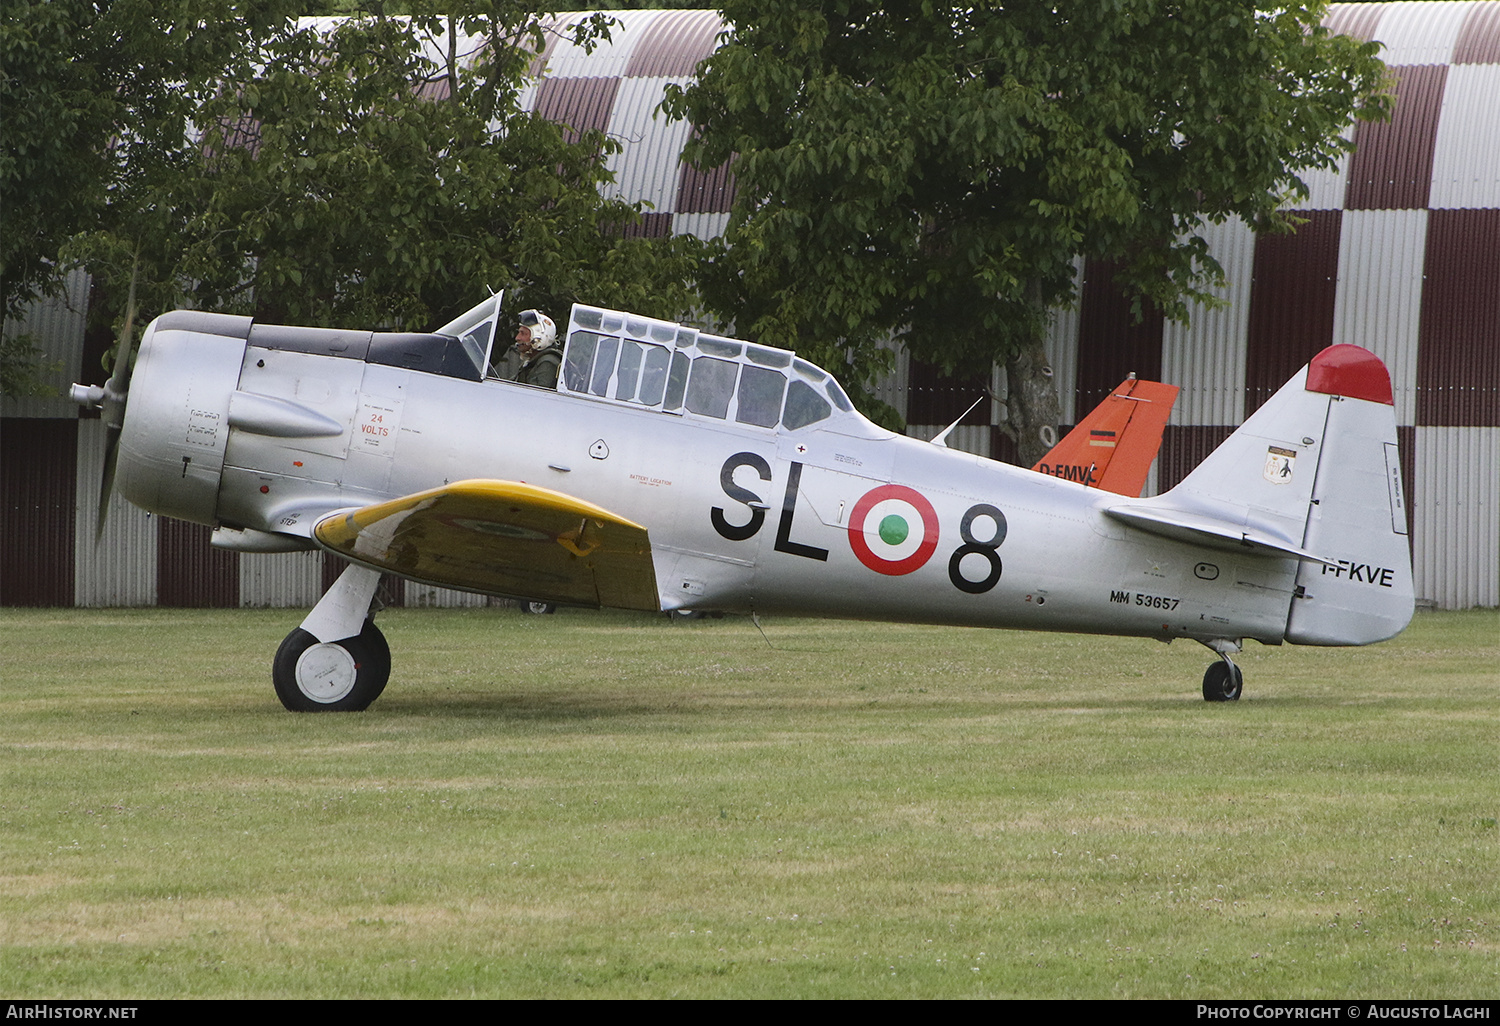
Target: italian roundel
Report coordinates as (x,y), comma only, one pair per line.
(893,530)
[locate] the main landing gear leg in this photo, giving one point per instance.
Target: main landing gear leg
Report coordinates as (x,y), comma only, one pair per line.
(337,661)
(1223,681)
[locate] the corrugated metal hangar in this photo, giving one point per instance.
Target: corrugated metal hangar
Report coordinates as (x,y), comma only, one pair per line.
(1400,254)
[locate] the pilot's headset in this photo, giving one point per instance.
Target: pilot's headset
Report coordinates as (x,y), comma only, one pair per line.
(543,331)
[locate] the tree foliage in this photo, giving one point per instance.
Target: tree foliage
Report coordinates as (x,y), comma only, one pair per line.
(91,92)
(934,170)
(368,171)
(90,88)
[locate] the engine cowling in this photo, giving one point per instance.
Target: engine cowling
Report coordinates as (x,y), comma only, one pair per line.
(176,422)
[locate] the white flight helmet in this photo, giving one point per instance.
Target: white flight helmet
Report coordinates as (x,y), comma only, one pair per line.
(543,331)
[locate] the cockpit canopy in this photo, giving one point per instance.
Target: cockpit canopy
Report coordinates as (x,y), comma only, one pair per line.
(660,365)
(664,366)
(475,329)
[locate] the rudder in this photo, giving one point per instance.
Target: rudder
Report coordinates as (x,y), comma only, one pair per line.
(1358,512)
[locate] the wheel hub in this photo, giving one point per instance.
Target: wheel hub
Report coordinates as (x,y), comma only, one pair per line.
(326,673)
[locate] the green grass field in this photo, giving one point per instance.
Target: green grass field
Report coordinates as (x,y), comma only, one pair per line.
(594,804)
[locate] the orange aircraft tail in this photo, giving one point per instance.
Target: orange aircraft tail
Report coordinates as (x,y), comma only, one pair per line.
(1112,448)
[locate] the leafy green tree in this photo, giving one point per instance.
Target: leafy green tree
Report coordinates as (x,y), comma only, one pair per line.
(90,92)
(934,169)
(377,172)
(22,367)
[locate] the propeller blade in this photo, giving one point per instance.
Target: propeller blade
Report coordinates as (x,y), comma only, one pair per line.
(117,387)
(107,482)
(116,392)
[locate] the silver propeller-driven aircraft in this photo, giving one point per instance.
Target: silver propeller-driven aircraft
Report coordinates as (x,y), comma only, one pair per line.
(673,469)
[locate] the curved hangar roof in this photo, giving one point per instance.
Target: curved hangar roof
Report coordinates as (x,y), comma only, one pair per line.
(617,88)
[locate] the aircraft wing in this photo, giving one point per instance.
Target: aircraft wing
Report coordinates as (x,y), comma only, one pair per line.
(1112,448)
(501,538)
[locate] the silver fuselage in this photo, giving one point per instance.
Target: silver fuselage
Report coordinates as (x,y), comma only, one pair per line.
(740,518)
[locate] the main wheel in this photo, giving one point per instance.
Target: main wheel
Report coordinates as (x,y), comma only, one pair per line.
(1223,682)
(339,676)
(538,607)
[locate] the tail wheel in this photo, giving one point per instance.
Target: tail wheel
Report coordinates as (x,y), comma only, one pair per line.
(538,607)
(336,676)
(1223,682)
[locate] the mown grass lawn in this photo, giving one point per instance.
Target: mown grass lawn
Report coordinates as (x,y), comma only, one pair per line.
(595,804)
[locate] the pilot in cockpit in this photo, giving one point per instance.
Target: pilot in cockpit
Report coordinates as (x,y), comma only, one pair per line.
(536,340)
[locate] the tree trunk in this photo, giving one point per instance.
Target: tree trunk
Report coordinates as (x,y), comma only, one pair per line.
(1032,409)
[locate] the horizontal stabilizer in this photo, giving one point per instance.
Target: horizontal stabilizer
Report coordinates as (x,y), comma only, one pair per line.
(1205,530)
(501,538)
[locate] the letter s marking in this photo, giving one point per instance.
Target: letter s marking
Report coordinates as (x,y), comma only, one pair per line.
(757,511)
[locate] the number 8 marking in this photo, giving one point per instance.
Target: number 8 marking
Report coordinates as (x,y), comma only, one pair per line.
(972,546)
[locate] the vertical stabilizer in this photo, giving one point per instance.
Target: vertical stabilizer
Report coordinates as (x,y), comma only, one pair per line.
(1260,479)
(1113,447)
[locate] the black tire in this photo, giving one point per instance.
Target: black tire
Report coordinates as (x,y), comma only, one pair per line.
(341,676)
(538,607)
(1223,682)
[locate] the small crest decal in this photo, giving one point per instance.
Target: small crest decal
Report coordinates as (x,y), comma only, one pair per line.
(1279,465)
